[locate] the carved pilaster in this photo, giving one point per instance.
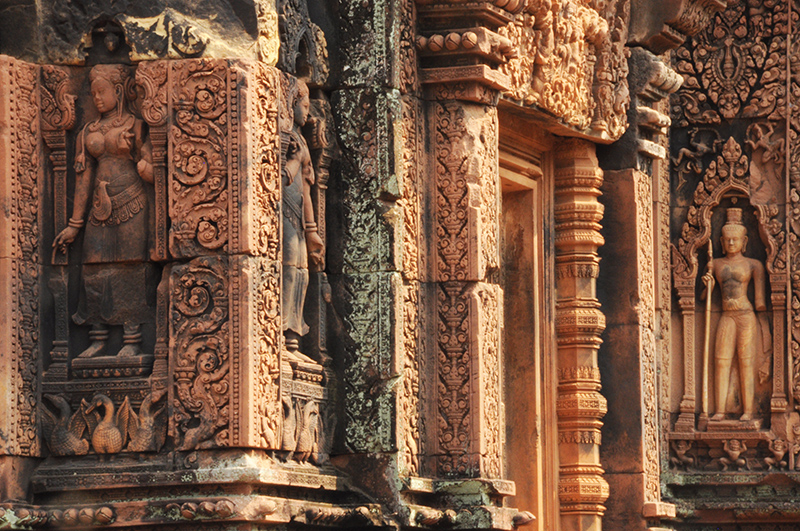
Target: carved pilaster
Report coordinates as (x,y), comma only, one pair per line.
(225,304)
(21,163)
(469,426)
(579,323)
(58,116)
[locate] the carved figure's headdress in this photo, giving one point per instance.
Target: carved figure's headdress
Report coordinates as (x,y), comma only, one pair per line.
(119,76)
(734,216)
(734,220)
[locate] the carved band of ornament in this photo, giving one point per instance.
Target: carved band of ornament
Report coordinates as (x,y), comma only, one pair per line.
(583,372)
(579,321)
(57,105)
(588,341)
(591,405)
(572,270)
(576,237)
(579,216)
(588,489)
(572,180)
(73,516)
(482,74)
(511,6)
(577,225)
(581,469)
(580,437)
(478,41)
(586,209)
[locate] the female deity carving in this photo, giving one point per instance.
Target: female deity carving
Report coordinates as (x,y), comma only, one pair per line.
(301,241)
(113,163)
(738,331)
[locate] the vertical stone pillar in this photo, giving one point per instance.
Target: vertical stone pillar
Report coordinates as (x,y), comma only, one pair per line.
(579,323)
(468,305)
(21,166)
(224,182)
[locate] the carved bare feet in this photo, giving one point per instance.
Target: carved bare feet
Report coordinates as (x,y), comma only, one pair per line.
(298,356)
(746,417)
(128,351)
(718,417)
(96,349)
(131,341)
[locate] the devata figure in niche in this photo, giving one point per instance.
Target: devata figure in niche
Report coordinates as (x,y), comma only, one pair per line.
(113,163)
(738,331)
(301,241)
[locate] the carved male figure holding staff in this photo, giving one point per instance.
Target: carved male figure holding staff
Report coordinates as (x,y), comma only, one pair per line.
(738,329)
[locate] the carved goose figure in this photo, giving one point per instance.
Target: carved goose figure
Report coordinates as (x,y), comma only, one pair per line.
(147,428)
(64,433)
(111,431)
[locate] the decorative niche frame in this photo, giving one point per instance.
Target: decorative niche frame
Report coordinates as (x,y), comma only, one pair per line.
(726,178)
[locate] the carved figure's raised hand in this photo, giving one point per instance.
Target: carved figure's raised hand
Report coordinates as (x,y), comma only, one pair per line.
(65,237)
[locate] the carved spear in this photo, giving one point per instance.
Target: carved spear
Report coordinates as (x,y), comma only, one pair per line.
(707,341)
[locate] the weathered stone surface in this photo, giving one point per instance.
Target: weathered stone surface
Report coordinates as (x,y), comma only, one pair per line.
(141,30)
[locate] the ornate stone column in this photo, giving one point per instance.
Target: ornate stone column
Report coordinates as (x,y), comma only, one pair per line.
(579,323)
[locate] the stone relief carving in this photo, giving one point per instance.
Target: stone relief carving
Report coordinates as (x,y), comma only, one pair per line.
(572,62)
(739,333)
(199,184)
(468,308)
(303,49)
(578,324)
(113,164)
(200,329)
(22,246)
(741,379)
(729,72)
(302,245)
